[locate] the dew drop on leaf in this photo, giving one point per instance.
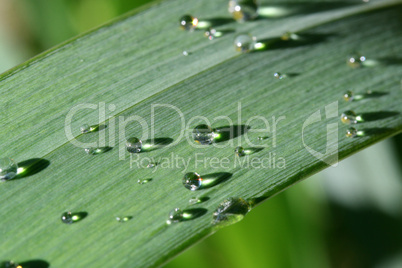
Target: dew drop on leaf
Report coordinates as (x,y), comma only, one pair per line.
(203,134)
(244,43)
(192,181)
(134,145)
(351,132)
(243,10)
(349,117)
(188,22)
(279,75)
(143,181)
(69,217)
(176,215)
(239,151)
(8,169)
(231,211)
(9,264)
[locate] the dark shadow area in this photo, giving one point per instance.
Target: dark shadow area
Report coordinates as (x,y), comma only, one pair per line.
(376,131)
(362,237)
(390,61)
(34,264)
(31,167)
(303,40)
(229,132)
(367,117)
(373,95)
(290,9)
(213,179)
(154,144)
(203,199)
(193,213)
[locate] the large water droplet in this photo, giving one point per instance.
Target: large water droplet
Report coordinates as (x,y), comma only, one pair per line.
(8,169)
(243,10)
(192,181)
(176,215)
(203,134)
(188,22)
(244,43)
(134,145)
(9,264)
(69,217)
(349,117)
(231,211)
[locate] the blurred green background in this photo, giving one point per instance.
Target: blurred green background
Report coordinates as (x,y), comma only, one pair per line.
(348,216)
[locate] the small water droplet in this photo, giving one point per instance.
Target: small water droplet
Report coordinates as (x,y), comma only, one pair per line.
(123,219)
(186,53)
(203,134)
(188,23)
(231,211)
(355,61)
(243,10)
(8,169)
(9,264)
(134,145)
(212,33)
(194,200)
(69,217)
(244,43)
(279,76)
(239,151)
(192,181)
(349,117)
(152,165)
(143,181)
(261,138)
(348,96)
(87,128)
(95,151)
(351,132)
(176,215)
(290,36)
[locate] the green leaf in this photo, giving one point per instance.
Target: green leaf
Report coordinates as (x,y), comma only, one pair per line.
(127,69)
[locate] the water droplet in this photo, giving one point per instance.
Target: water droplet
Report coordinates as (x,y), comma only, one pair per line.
(203,134)
(152,165)
(231,211)
(290,36)
(134,145)
(356,61)
(8,169)
(188,23)
(176,215)
(123,219)
(244,43)
(194,201)
(185,53)
(348,96)
(243,10)
(239,151)
(99,150)
(87,129)
(192,181)
(212,33)
(69,218)
(349,117)
(261,138)
(279,75)
(351,132)
(9,264)
(143,181)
